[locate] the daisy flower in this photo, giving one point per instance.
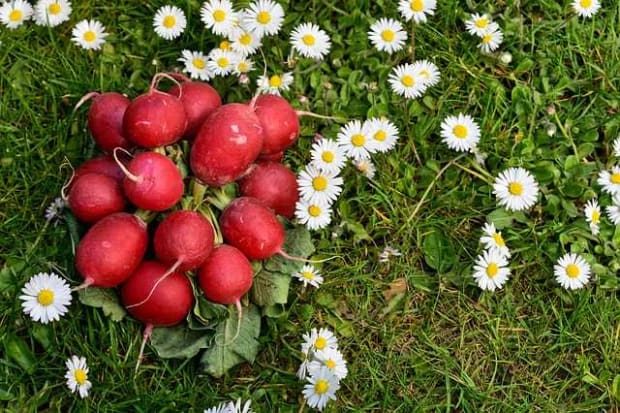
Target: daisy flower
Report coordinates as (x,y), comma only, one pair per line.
(593,215)
(586,8)
(219,17)
(319,187)
(195,64)
(427,71)
(46,297)
(77,376)
(382,132)
(319,340)
(330,358)
(263,17)
(366,167)
(51,12)
(245,43)
(314,215)
(387,253)
(387,35)
(405,82)
(616,147)
(243,66)
(327,155)
(478,24)
(310,41)
(321,388)
(224,407)
(222,62)
(309,275)
(460,132)
(14,13)
(613,211)
(89,34)
(416,9)
(490,270)
(572,271)
(493,240)
(491,39)
(53,212)
(169,22)
(354,138)
(610,181)
(275,83)
(238,408)
(516,189)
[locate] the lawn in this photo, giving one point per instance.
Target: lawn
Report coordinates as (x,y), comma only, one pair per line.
(417,332)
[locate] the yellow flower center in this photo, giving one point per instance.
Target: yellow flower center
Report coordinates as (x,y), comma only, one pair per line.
(425,73)
(15,15)
(314,210)
(596,216)
(417,5)
(308,275)
(169,22)
(515,188)
(460,131)
(199,63)
(358,140)
(225,45)
(320,343)
(387,35)
(242,67)
(572,271)
(275,81)
(80,376)
(615,178)
(308,40)
(319,183)
(54,8)
(245,39)
(328,157)
(486,39)
(407,81)
(219,15)
(89,36)
(321,386)
(585,3)
(263,17)
(499,240)
(380,135)
(45,297)
(481,23)
(492,270)
(222,62)
(331,364)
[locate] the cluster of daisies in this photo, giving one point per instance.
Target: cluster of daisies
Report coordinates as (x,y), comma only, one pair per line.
(232,407)
(491,36)
(322,367)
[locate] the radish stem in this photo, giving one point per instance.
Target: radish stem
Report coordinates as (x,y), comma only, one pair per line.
(128,174)
(145,337)
(85,98)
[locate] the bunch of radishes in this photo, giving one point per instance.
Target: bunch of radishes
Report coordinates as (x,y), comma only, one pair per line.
(234,142)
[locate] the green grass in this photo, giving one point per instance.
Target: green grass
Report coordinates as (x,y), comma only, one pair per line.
(442,346)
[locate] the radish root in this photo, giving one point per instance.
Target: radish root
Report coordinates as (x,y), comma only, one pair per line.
(128,174)
(84,99)
(87,283)
(158,77)
(301,113)
(145,337)
(63,190)
(239,320)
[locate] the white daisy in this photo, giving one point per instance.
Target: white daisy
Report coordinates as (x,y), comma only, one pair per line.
(490,270)
(77,376)
(593,215)
(516,189)
(366,167)
(321,388)
(387,35)
(387,253)
(416,9)
(319,187)
(302,371)
(478,24)
(89,34)
(13,13)
(309,275)
(46,297)
(196,65)
(219,17)
(356,141)
(239,408)
(460,132)
(245,43)
(491,39)
(222,62)
(382,132)
(243,66)
(610,181)
(263,17)
(613,213)
(224,407)
(274,84)
(493,240)
(586,8)
(314,215)
(310,41)
(53,212)
(330,358)
(169,22)
(427,71)
(405,82)
(572,271)
(322,339)
(327,155)
(51,12)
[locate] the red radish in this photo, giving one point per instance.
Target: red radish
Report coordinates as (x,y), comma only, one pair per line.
(226,275)
(199,100)
(105,165)
(93,196)
(111,250)
(184,239)
(280,123)
(273,184)
(105,119)
(271,157)
(226,145)
(152,181)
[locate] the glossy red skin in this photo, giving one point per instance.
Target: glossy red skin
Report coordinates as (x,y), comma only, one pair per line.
(160,186)
(247,224)
(105,165)
(226,145)
(105,121)
(199,101)
(270,157)
(280,123)
(225,276)
(184,235)
(93,196)
(273,184)
(170,301)
(111,250)
(154,119)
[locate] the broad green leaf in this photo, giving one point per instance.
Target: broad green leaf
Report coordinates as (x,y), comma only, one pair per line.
(7,274)
(501,218)
(18,351)
(178,341)
(298,243)
(274,311)
(44,334)
(270,288)
(103,298)
(438,252)
(206,312)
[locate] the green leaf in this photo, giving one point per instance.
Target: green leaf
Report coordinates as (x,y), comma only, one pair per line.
(44,334)
(270,288)
(501,218)
(298,243)
(178,342)
(17,349)
(103,298)
(438,252)
(206,312)
(226,353)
